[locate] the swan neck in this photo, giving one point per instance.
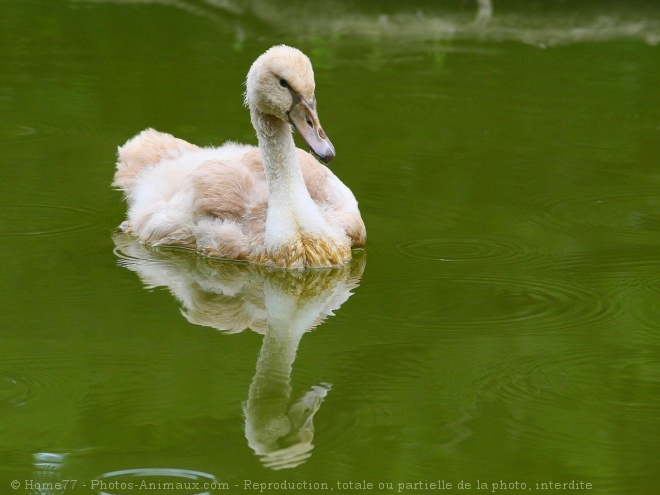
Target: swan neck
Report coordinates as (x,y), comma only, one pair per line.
(296,232)
(279,154)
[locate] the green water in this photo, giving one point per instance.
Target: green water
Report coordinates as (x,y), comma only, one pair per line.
(502,325)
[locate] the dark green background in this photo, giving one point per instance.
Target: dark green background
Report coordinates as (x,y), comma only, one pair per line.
(506,325)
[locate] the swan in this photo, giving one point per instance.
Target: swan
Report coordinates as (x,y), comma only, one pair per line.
(272,205)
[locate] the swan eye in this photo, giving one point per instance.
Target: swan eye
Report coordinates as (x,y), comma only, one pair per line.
(283,83)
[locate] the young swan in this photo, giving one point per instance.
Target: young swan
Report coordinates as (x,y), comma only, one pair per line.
(272,205)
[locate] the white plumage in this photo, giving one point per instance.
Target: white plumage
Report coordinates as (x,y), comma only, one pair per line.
(272,205)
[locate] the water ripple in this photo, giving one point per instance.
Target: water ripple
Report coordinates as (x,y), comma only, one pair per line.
(618,215)
(646,311)
(44,220)
(14,389)
(36,132)
(185,481)
(31,383)
(624,263)
(497,303)
(542,376)
(630,275)
(29,133)
(545,384)
(562,373)
(466,250)
(649,285)
(129,251)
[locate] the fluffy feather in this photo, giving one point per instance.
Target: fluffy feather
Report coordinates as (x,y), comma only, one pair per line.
(272,205)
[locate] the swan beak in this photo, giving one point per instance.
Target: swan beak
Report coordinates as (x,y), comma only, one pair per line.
(303,117)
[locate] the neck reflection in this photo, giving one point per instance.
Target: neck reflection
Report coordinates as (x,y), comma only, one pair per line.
(282,305)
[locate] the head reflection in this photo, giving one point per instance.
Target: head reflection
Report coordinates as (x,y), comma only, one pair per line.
(282,305)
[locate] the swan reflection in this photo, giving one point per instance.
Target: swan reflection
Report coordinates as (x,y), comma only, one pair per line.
(282,305)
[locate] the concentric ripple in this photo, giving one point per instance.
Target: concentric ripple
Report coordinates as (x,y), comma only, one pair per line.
(563,372)
(29,132)
(498,303)
(465,250)
(33,132)
(544,384)
(546,376)
(37,373)
(649,285)
(14,390)
(618,215)
(130,251)
(645,309)
(183,481)
(29,382)
(43,220)
(620,265)
(629,275)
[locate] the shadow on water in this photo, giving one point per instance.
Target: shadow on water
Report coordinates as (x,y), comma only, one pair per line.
(282,305)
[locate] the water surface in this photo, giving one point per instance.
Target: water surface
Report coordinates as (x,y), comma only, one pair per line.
(501,326)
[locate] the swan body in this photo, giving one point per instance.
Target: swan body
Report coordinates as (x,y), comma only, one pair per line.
(273,204)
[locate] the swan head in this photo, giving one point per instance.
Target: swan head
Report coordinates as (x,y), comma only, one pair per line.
(280,83)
